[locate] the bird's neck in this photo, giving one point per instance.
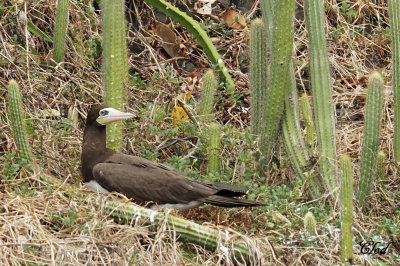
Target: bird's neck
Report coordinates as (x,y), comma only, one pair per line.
(94,149)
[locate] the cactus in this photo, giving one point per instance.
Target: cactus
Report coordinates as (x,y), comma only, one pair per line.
(307,116)
(267,7)
(373,115)
(214,149)
(114,50)
(201,36)
(322,93)
(394,18)
(291,127)
(281,51)
(17,121)
(346,209)
(258,74)
(61,29)
(310,223)
(380,165)
(207,95)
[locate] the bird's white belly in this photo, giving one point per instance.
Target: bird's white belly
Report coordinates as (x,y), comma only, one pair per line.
(93,185)
(177,206)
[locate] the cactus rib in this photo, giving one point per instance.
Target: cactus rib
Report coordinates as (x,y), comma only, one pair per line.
(214,149)
(207,95)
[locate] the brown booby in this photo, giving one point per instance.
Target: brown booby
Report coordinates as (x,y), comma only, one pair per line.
(144,181)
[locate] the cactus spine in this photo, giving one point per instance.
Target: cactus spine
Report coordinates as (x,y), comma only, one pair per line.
(310,223)
(258,74)
(214,149)
(307,116)
(346,208)
(207,95)
(281,51)
(61,29)
(115,72)
(394,16)
(372,127)
(322,93)
(17,121)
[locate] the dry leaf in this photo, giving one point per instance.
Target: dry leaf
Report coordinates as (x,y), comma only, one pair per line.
(203,7)
(168,37)
(73,117)
(178,115)
(233,19)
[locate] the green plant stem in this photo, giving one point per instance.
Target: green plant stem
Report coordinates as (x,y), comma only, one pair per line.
(17,121)
(207,95)
(114,65)
(201,36)
(346,208)
(61,29)
(258,74)
(322,93)
(394,18)
(214,148)
(282,44)
(373,117)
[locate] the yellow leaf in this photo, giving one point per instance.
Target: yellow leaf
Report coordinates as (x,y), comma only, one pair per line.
(178,115)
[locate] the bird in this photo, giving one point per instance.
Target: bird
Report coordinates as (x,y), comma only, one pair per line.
(148,183)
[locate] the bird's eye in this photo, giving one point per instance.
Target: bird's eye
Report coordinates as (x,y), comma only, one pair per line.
(103,112)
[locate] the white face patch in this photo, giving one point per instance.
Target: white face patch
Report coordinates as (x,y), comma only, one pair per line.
(94,186)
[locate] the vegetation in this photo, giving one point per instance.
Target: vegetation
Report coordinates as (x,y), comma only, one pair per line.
(373,117)
(48,217)
(61,29)
(322,93)
(346,206)
(114,65)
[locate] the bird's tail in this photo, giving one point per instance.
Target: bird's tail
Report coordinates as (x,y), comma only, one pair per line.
(232,202)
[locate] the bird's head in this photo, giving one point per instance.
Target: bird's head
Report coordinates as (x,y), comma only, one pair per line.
(104,115)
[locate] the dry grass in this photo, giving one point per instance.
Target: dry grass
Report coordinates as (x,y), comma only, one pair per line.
(48,227)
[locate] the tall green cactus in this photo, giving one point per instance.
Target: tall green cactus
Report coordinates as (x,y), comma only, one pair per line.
(281,51)
(207,95)
(346,208)
(373,117)
(308,121)
(310,223)
(115,67)
(214,148)
(258,74)
(61,30)
(17,121)
(291,127)
(322,93)
(394,18)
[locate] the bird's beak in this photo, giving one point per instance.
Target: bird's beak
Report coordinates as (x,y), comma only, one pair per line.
(113,115)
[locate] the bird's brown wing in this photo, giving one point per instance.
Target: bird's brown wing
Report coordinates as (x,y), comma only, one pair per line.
(144,180)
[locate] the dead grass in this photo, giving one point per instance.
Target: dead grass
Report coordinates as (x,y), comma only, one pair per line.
(35,230)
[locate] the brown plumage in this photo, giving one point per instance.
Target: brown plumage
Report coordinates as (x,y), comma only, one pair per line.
(142,180)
